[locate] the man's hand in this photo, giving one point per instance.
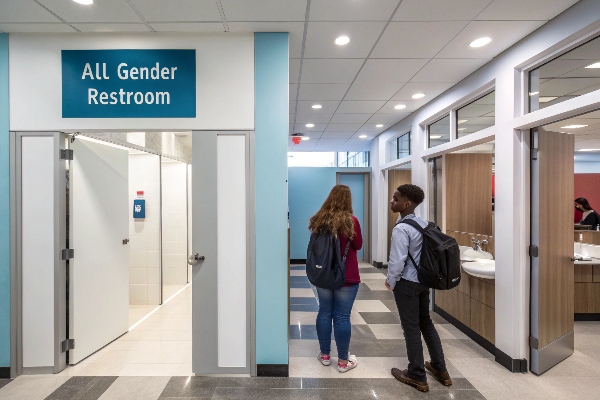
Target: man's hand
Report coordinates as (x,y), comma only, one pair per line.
(387,285)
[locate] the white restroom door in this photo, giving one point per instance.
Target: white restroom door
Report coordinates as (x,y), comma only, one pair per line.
(222,279)
(99,224)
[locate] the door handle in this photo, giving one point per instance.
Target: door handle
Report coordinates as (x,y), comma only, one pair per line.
(195,259)
(125,241)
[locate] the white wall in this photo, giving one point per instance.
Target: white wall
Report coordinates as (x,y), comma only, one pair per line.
(586,167)
(174,222)
(512,226)
(224,80)
(144,234)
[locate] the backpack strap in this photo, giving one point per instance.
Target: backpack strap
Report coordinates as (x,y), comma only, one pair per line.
(419,228)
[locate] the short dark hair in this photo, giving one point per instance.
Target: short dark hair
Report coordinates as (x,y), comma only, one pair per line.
(412,192)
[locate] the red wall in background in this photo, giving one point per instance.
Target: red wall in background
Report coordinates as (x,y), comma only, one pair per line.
(588,186)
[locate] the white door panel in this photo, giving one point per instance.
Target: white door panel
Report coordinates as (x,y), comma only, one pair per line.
(99,222)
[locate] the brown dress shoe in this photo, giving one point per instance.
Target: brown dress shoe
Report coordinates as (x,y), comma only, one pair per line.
(442,377)
(403,377)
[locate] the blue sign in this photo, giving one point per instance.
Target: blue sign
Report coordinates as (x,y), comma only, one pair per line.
(128,83)
(139,208)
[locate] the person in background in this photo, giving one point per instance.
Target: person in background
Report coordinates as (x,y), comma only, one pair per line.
(590,217)
(336,216)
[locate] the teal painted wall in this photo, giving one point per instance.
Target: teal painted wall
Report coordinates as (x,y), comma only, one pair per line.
(271,134)
(308,189)
(4,207)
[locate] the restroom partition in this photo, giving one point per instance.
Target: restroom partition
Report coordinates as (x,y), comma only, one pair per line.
(551,250)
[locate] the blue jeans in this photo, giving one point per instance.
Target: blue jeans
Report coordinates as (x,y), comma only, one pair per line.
(335,305)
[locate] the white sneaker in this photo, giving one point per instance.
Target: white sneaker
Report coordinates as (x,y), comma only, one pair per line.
(325,359)
(352,363)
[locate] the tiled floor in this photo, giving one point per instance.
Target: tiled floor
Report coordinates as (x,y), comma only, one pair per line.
(153,361)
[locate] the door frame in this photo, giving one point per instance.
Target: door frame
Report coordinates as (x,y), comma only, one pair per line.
(60,229)
(366,172)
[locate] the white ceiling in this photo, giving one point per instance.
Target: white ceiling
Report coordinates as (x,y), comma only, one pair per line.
(587,137)
(398,47)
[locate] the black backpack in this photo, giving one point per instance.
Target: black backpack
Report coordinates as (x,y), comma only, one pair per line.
(439,266)
(325,267)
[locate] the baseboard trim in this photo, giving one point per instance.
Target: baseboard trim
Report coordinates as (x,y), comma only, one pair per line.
(4,372)
(377,264)
(511,364)
(273,370)
(297,260)
(587,317)
(477,338)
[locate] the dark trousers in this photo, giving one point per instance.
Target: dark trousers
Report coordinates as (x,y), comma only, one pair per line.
(412,300)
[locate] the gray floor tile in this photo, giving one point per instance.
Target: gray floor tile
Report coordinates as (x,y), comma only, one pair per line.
(394,347)
(375,295)
(266,394)
(4,382)
(437,319)
(83,388)
(381,317)
(391,304)
(359,332)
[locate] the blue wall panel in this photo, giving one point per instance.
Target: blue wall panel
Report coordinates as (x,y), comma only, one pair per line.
(356,183)
(271,127)
(308,189)
(4,207)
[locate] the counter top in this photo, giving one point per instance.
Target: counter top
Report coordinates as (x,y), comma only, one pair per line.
(593,261)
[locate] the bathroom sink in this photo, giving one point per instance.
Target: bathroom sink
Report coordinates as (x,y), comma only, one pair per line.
(468,254)
(481,268)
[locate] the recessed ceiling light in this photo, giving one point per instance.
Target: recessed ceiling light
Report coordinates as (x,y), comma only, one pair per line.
(84,2)
(594,65)
(317,106)
(546,99)
(342,40)
(461,129)
(305,138)
(589,150)
(310,125)
(533,93)
(573,126)
(379,126)
(480,42)
(363,136)
(400,106)
(435,137)
(418,95)
(462,121)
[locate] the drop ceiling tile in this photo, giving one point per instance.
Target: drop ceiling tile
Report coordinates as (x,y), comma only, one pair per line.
(313,118)
(264,10)
(301,128)
(588,51)
(411,105)
(25,11)
(292,108)
(304,145)
(370,127)
(524,10)
(99,11)
(343,10)
(449,70)
(295,29)
(583,72)
(561,87)
(322,92)
(339,118)
(387,118)
(343,127)
(416,39)
(357,136)
(347,107)
(330,70)
(390,70)
(291,127)
(187,26)
(337,135)
(503,34)
(372,91)
(178,10)
(320,38)
(33,28)
(294,70)
(112,27)
(330,144)
(431,90)
(328,107)
(440,10)
(293,91)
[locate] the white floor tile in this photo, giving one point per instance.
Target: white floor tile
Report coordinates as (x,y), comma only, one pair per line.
(369,306)
(302,292)
(133,388)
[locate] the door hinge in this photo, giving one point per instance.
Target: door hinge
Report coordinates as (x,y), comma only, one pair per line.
(67,254)
(534,154)
(534,251)
(66,154)
(533,342)
(68,344)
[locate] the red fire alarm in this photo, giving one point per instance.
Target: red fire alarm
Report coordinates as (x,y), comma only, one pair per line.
(140,192)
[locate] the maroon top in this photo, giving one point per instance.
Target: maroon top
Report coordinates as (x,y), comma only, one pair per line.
(352,275)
